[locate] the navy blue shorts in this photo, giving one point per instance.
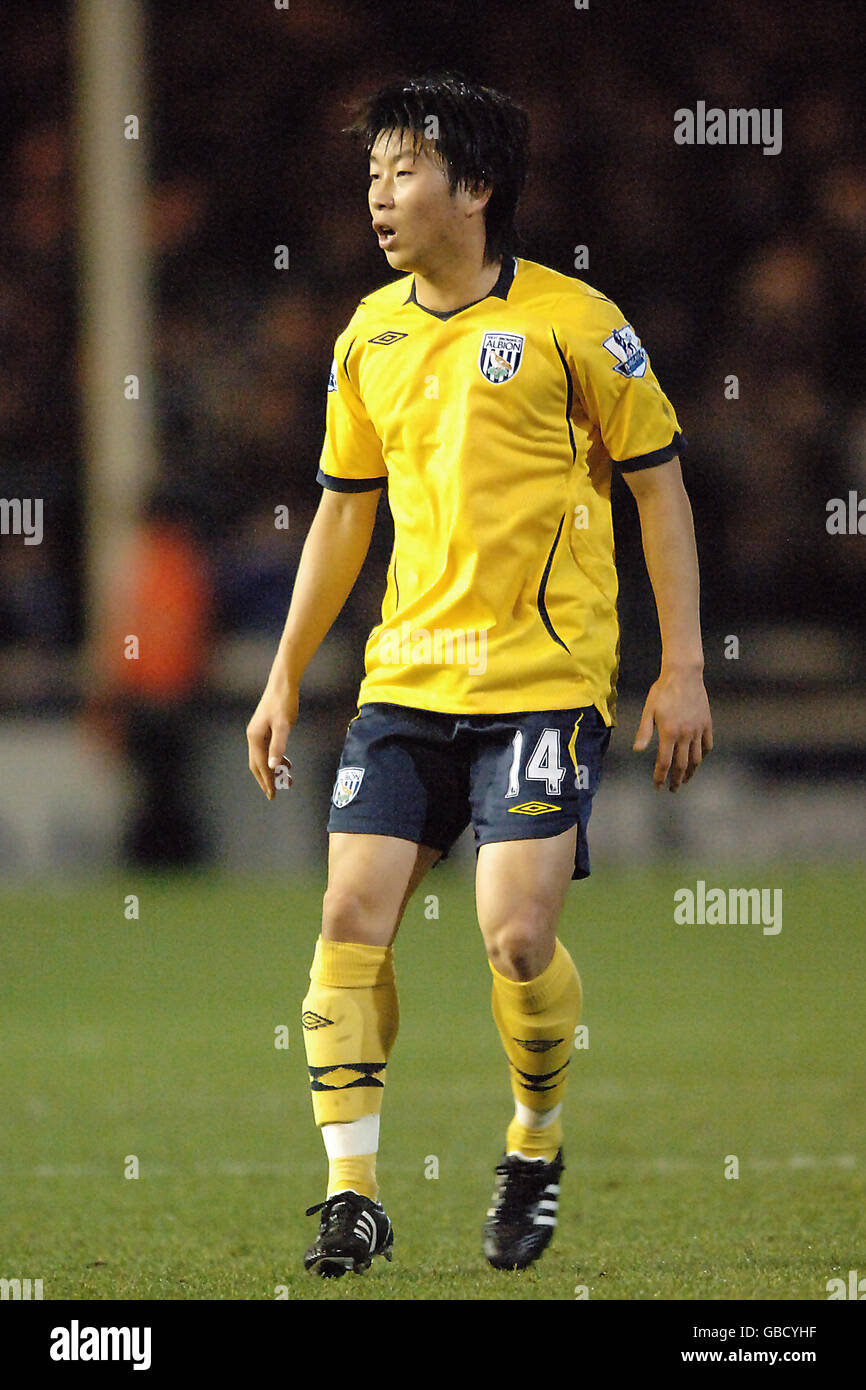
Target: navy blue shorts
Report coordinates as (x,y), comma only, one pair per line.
(424,777)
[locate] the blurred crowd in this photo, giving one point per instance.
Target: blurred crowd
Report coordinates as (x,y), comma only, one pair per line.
(730,264)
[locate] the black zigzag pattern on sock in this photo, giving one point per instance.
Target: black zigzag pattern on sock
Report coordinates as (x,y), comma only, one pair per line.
(534,1083)
(366,1077)
(539,1044)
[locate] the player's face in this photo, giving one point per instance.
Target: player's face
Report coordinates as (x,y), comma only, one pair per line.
(415,215)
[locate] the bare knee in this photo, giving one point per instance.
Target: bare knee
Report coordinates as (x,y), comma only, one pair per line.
(348,914)
(521,946)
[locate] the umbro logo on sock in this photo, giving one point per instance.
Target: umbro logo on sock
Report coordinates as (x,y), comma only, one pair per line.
(311,1020)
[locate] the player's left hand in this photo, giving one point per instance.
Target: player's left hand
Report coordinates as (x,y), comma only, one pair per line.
(678,707)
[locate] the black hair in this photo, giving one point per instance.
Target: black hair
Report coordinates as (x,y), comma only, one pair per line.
(481,136)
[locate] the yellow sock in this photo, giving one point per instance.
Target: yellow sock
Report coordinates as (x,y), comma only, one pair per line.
(350,1018)
(357,1171)
(536,1021)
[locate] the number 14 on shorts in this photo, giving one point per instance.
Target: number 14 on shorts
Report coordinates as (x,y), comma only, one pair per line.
(545,763)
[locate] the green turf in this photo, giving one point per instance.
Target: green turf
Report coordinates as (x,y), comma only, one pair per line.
(155,1038)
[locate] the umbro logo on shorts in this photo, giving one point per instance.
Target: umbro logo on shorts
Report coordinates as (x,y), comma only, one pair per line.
(389,336)
(534,808)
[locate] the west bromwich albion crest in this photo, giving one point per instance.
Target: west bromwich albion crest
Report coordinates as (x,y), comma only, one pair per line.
(624,345)
(500,356)
(346,786)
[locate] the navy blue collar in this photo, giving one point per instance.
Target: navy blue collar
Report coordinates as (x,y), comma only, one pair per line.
(499,291)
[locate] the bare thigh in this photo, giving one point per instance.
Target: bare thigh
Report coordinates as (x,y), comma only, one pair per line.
(370,881)
(520,888)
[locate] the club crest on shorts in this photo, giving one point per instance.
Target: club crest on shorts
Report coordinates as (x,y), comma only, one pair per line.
(500,356)
(347,784)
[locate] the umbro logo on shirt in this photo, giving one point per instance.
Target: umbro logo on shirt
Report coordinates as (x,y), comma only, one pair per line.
(389,336)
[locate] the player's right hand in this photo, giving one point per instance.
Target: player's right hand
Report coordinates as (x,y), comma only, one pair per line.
(267,735)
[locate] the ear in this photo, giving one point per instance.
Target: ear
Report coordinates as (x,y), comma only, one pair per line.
(477,198)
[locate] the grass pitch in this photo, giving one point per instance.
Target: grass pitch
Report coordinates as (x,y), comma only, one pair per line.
(154,1040)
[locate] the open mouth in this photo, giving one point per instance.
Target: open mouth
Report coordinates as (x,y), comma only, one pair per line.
(386,236)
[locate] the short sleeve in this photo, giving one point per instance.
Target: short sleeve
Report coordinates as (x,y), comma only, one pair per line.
(351,458)
(618,388)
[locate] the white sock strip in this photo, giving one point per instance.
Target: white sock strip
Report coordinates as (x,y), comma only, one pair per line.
(535,1119)
(352,1137)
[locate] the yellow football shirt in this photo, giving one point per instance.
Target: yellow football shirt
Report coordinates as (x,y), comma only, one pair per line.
(495,428)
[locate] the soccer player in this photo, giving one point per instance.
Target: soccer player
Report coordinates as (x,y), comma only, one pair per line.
(493,397)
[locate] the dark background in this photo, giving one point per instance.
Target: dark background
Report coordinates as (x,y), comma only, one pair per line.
(726,260)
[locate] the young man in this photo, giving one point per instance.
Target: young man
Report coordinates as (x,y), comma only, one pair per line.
(493,397)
